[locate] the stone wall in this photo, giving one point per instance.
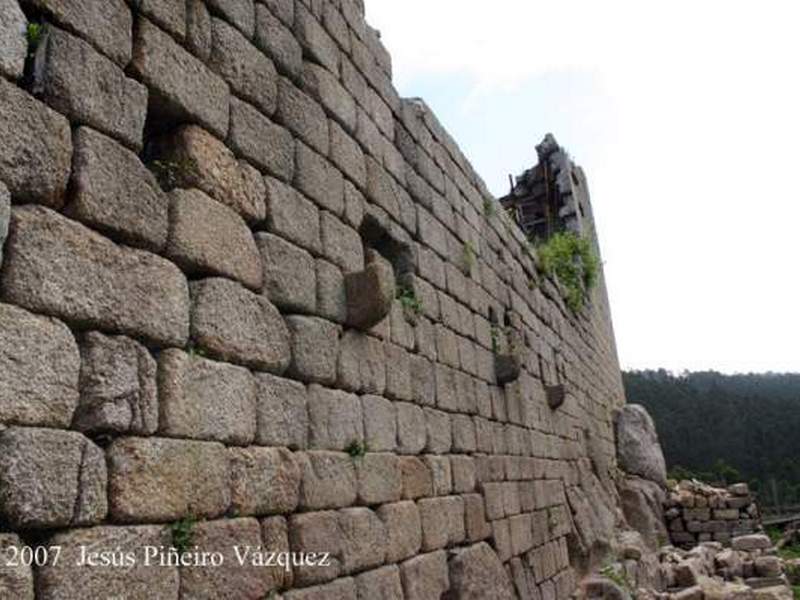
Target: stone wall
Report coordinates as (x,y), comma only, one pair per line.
(697,512)
(192,195)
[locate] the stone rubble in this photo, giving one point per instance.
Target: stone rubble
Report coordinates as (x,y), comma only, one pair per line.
(697,512)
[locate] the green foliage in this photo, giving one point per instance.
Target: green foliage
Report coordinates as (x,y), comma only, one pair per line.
(409,299)
(356,449)
(183,533)
(495,333)
(615,575)
(34,34)
(170,173)
(570,259)
(195,351)
(718,428)
(489,208)
(796,592)
(469,256)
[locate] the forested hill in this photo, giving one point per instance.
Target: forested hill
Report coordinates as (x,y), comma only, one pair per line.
(713,425)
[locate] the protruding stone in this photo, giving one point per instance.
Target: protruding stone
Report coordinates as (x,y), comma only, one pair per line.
(50,479)
(39,365)
(114,192)
(205,400)
(370,293)
(507,368)
(236,325)
(208,238)
(193,158)
(181,87)
(35,148)
(56,266)
(160,480)
(264,481)
(118,386)
(89,88)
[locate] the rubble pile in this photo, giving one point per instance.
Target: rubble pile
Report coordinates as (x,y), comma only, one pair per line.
(747,570)
(696,512)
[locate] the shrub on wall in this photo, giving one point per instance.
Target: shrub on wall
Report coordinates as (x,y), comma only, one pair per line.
(572,261)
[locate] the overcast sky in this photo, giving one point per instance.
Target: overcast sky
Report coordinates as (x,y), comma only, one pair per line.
(686,117)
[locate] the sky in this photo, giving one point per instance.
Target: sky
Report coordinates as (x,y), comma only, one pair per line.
(686,119)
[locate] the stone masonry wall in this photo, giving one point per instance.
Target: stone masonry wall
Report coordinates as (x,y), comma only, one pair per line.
(185,186)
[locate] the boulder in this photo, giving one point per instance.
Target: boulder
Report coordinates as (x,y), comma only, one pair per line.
(638,450)
(370,292)
(642,504)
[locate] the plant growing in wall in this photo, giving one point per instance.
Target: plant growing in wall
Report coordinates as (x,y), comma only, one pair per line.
(469,256)
(183,533)
(489,208)
(571,260)
(408,299)
(34,34)
(171,173)
(356,449)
